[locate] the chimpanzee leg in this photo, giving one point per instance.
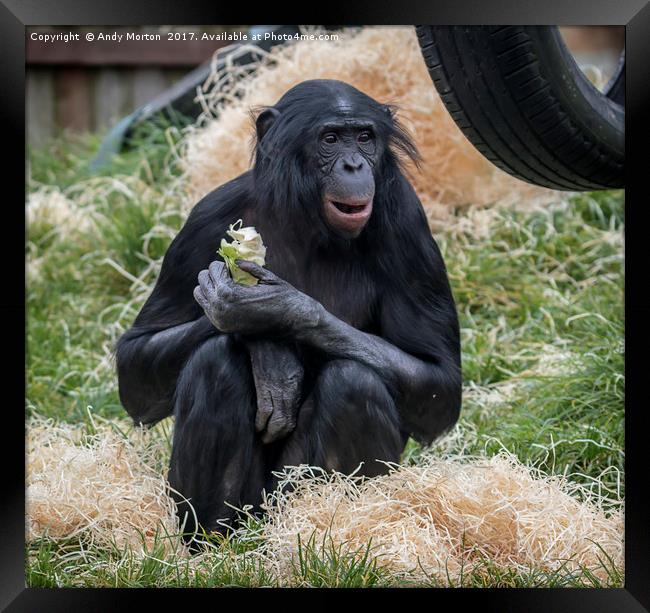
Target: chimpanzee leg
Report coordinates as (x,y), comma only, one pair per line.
(349,418)
(216,456)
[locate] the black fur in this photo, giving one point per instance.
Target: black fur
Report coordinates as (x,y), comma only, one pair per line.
(390,282)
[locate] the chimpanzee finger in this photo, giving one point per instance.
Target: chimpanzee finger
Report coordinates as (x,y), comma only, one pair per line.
(218,272)
(199,296)
(206,283)
(264,411)
(278,427)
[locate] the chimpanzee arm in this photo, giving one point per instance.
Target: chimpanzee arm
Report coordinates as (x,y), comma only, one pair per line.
(427,388)
(148,364)
(171,326)
(417,354)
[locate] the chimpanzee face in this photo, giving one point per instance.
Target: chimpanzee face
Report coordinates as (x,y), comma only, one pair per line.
(326,137)
(347,154)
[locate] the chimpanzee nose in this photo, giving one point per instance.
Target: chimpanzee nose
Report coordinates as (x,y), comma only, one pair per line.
(352,163)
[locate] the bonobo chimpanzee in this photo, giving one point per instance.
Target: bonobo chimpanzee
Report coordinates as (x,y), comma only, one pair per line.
(348,344)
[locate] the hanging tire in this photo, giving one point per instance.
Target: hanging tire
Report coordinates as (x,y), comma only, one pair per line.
(518,95)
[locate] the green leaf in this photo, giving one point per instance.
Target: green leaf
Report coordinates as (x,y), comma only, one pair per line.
(250,248)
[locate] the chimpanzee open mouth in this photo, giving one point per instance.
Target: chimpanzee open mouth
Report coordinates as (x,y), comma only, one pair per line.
(349,208)
(348,217)
(359,208)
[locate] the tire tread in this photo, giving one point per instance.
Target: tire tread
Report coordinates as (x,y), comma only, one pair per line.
(491,82)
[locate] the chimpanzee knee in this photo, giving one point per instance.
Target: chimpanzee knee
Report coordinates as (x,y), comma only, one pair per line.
(215,461)
(217,369)
(356,420)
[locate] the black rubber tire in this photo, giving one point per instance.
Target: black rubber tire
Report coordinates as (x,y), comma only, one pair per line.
(615,89)
(518,95)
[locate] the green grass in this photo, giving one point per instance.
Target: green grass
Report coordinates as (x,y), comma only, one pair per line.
(69,564)
(540,299)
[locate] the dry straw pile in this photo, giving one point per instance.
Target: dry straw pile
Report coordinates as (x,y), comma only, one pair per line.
(103,488)
(446,516)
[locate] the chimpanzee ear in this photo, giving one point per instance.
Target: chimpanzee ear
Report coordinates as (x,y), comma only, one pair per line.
(265,120)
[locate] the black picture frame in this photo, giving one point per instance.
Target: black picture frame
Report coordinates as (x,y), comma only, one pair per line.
(15,15)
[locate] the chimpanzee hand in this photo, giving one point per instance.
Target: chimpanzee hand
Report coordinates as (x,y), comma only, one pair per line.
(271,305)
(278,375)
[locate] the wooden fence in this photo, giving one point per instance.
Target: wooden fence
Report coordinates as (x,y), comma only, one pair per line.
(85,86)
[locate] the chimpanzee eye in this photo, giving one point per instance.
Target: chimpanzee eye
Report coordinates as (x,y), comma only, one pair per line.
(365,137)
(330,138)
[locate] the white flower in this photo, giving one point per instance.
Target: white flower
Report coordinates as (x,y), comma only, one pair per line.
(246,245)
